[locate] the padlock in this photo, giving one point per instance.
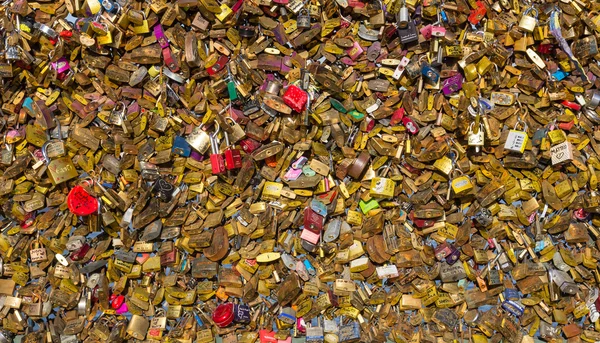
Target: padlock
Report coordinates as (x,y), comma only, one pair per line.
(246,29)
(516,141)
(6,154)
(527,22)
(61,169)
(199,139)
(476,137)
(11,53)
(138,327)
(430,74)
(36,252)
(303,19)
(224,315)
(233,157)
(217,161)
(382,187)
(295,97)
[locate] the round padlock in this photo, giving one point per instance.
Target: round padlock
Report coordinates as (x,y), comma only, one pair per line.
(224,315)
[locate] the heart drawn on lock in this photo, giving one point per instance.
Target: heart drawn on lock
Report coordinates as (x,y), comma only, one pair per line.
(80,202)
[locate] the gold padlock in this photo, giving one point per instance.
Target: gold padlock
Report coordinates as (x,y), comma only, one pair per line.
(527,22)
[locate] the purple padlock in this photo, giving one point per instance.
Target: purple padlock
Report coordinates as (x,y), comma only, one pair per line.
(160,36)
(197,156)
(452,84)
(453,257)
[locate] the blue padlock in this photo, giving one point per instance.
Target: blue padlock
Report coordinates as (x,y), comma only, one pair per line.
(181,147)
(430,74)
(559,75)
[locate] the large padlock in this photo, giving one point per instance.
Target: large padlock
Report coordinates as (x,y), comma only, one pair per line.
(138,327)
(199,139)
(61,169)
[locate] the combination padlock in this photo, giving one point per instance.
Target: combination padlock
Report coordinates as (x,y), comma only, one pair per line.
(233,157)
(217,161)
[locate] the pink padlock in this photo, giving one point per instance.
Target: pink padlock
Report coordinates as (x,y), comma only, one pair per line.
(310,236)
(426,31)
(123,309)
(355,51)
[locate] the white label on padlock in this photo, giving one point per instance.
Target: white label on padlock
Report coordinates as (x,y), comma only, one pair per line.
(561,152)
(400,68)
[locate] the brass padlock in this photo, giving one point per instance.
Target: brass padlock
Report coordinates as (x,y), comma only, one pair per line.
(61,169)
(138,327)
(527,22)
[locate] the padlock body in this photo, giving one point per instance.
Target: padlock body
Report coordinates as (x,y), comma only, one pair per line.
(233,159)
(217,163)
(527,23)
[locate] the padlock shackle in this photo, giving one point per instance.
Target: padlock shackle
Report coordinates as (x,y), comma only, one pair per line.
(214,148)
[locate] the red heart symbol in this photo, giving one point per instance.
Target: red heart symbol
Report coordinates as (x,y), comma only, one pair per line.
(80,202)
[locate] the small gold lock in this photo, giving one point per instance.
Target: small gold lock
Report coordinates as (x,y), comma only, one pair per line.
(527,22)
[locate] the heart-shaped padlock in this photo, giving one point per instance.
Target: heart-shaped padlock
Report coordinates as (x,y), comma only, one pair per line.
(80,202)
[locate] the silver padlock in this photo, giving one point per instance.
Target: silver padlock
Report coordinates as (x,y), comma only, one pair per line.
(303,20)
(11,53)
(403,16)
(528,22)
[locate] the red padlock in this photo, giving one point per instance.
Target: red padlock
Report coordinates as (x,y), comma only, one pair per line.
(295,98)
(397,116)
(478,13)
(410,125)
(223,315)
(233,157)
(249,145)
(80,202)
(117,301)
(313,221)
(217,161)
(218,66)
